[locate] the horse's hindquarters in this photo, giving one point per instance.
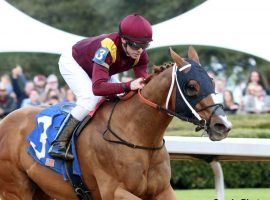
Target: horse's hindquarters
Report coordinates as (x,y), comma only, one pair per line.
(14,183)
(18,170)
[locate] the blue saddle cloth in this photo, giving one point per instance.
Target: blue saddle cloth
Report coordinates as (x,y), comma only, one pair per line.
(48,122)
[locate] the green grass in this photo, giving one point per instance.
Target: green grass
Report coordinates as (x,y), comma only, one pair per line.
(244,125)
(230,194)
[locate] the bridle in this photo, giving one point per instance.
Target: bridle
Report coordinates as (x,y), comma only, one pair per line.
(198,121)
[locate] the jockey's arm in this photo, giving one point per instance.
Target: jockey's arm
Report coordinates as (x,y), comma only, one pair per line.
(101,86)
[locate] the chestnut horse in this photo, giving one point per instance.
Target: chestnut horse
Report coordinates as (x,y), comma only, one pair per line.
(136,165)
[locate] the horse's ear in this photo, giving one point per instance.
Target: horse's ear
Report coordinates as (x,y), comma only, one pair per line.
(178,59)
(193,54)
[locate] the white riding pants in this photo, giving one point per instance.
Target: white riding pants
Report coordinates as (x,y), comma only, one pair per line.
(81,85)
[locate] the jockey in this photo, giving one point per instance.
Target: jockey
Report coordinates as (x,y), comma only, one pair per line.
(89,68)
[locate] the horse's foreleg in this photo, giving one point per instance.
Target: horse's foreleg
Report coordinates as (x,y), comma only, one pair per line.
(122,194)
(167,194)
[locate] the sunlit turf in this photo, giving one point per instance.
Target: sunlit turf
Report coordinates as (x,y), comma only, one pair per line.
(230,194)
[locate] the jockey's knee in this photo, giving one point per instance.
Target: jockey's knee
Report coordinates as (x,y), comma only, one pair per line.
(79,112)
(84,106)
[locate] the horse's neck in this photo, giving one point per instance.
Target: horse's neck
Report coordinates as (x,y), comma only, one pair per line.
(149,124)
(158,87)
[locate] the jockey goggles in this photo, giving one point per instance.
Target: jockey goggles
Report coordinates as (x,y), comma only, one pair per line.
(136,45)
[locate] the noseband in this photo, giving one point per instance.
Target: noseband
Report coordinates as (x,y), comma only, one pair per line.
(207,125)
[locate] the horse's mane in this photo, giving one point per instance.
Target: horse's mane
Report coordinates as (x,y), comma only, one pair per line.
(157,70)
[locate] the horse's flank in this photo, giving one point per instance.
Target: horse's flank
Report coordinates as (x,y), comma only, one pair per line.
(14,156)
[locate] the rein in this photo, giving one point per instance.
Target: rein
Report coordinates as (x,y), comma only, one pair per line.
(201,124)
(122,141)
(198,121)
(170,112)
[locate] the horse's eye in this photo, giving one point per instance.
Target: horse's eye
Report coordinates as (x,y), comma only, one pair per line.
(192,88)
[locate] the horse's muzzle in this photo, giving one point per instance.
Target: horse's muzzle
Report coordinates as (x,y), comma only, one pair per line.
(219,129)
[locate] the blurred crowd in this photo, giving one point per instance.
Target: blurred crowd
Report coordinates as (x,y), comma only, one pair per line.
(235,92)
(241,92)
(17,92)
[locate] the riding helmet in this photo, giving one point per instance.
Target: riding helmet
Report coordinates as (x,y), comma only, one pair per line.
(135,28)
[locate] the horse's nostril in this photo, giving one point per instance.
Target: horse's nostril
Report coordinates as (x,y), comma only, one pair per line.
(221,128)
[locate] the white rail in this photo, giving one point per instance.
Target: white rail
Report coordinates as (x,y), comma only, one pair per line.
(230,149)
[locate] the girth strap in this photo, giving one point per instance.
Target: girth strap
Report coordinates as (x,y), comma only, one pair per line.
(80,188)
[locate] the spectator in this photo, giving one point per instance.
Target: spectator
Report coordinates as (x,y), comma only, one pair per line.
(255,77)
(236,82)
(5,79)
(256,101)
(52,84)
(230,106)
(7,103)
(70,96)
(219,89)
(53,97)
(33,100)
(40,83)
(19,82)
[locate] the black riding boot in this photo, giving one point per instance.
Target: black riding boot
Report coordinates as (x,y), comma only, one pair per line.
(59,145)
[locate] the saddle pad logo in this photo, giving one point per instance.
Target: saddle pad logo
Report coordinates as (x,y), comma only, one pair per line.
(49,162)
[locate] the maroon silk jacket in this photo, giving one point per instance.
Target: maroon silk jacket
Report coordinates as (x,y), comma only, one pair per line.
(103,56)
